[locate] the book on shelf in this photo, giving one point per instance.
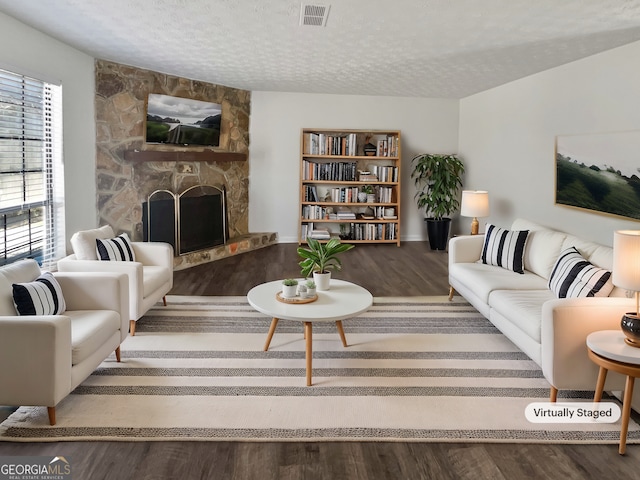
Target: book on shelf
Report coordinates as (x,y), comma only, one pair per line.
(319,234)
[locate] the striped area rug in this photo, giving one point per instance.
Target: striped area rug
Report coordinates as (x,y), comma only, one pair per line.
(416,369)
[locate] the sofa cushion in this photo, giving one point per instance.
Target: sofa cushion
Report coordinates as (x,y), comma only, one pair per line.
(483,279)
(84,242)
(90,329)
(574,277)
(43,296)
(22,271)
(522,307)
(504,248)
(116,249)
(153,277)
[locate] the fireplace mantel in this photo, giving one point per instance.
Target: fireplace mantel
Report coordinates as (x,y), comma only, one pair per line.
(183,156)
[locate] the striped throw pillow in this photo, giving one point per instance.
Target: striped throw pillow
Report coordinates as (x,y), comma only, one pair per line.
(43,296)
(115,249)
(504,248)
(573,277)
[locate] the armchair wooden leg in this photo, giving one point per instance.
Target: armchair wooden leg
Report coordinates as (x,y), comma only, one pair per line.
(164,300)
(132,327)
(553,394)
(118,354)
(52,415)
(451,293)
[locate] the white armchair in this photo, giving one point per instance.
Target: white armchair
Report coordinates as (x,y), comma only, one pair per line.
(150,275)
(44,357)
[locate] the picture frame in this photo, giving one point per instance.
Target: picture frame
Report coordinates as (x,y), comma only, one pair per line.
(182,121)
(599,173)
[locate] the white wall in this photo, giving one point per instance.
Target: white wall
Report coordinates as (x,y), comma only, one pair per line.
(426,125)
(507,136)
(30,52)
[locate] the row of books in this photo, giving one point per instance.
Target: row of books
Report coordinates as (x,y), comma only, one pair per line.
(373,231)
(385,173)
(325,144)
(335,171)
(387,147)
(383,194)
(310,193)
(318,212)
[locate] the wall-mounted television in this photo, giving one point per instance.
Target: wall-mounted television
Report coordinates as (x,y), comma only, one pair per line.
(182,121)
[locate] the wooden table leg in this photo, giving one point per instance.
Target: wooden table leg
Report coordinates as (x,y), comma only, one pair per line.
(626,412)
(602,377)
(341,332)
(272,330)
(309,350)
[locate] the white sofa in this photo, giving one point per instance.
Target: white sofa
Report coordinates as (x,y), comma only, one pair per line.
(551,331)
(44,357)
(150,275)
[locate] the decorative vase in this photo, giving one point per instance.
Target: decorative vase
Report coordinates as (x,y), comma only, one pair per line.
(630,325)
(362,197)
(370,150)
(289,291)
(322,280)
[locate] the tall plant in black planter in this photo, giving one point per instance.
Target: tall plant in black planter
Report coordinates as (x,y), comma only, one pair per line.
(437,179)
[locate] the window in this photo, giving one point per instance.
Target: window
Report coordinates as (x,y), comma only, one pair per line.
(31,176)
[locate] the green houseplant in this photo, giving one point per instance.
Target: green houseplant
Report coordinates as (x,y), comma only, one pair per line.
(437,179)
(289,287)
(320,258)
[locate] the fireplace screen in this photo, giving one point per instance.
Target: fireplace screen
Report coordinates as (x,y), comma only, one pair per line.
(192,220)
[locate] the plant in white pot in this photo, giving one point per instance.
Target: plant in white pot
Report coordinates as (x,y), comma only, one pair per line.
(437,179)
(289,287)
(320,258)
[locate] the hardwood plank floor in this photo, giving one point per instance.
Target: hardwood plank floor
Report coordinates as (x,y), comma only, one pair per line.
(385,270)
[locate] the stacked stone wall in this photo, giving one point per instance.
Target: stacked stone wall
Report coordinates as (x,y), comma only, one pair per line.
(123,185)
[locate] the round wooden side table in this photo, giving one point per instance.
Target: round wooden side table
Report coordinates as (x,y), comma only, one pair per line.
(609,351)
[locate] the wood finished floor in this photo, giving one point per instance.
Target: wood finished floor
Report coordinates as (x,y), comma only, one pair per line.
(409,270)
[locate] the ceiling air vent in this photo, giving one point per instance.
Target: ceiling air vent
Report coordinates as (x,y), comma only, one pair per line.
(314,15)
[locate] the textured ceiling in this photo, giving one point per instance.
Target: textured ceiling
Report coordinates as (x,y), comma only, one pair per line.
(414,48)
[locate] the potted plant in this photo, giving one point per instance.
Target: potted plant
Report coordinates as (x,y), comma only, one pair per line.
(438,179)
(320,258)
(365,191)
(289,287)
(311,288)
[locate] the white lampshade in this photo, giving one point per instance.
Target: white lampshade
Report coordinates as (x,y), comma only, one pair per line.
(626,259)
(475,203)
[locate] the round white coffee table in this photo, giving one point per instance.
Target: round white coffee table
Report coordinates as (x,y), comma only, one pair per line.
(608,350)
(343,300)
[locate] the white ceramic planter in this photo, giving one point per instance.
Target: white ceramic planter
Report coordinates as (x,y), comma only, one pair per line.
(289,291)
(322,280)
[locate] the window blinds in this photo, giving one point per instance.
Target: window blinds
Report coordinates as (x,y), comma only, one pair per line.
(31,174)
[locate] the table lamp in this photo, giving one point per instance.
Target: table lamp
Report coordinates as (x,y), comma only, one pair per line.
(475,203)
(626,274)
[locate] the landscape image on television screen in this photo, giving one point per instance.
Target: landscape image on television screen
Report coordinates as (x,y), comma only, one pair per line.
(182,121)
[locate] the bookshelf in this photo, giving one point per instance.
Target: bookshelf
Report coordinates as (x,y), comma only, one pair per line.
(335,168)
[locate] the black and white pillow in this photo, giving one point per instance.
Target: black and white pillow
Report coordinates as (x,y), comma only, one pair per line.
(573,276)
(116,249)
(43,296)
(504,248)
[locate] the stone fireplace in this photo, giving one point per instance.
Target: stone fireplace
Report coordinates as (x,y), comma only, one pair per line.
(129,170)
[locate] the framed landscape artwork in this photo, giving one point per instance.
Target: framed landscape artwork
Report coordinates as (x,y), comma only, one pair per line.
(182,121)
(599,172)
